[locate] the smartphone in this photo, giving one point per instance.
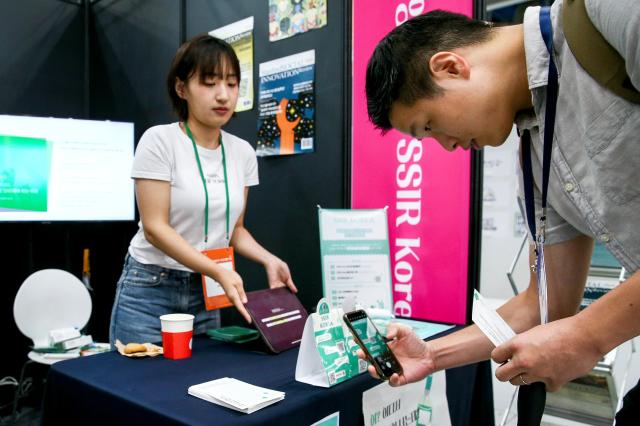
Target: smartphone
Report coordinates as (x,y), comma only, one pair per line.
(373,344)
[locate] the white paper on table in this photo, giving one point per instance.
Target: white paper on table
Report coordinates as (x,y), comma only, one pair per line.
(236,394)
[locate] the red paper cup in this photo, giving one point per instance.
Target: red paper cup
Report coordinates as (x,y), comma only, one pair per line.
(177,334)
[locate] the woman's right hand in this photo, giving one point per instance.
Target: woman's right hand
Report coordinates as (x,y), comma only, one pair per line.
(234,289)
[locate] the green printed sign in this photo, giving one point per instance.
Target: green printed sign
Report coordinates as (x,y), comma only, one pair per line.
(24,173)
(335,345)
(354,249)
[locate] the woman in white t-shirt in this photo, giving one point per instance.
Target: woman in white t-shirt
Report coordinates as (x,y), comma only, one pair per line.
(192,180)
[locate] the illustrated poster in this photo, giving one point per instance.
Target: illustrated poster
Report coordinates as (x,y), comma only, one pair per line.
(240,36)
(291,17)
(286,123)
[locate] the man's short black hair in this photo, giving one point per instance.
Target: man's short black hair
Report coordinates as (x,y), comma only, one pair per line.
(399,67)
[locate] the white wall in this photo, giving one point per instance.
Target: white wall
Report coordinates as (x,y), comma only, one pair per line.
(502,224)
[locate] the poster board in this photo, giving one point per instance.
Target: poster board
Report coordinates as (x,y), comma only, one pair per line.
(429,210)
(354,250)
(283,207)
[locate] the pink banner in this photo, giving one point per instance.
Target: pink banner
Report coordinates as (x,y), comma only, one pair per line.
(426,188)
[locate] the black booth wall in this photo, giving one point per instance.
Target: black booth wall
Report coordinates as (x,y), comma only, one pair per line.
(43,64)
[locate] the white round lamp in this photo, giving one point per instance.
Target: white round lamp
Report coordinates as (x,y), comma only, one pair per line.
(50,299)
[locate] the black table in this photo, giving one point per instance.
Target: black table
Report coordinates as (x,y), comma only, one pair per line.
(112,389)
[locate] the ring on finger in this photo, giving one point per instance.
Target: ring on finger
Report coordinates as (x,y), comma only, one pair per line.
(522,380)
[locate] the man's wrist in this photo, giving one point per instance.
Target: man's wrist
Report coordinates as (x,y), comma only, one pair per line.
(589,327)
(429,353)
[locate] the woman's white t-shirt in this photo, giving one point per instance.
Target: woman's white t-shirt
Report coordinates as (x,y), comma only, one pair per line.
(166,153)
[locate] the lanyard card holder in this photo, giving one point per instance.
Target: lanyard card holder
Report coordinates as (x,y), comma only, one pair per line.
(214,295)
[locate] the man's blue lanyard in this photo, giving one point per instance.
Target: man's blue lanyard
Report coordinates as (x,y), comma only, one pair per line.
(527,171)
(204,184)
(532,398)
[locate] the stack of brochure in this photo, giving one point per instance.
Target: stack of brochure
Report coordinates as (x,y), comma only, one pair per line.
(236,394)
(67,348)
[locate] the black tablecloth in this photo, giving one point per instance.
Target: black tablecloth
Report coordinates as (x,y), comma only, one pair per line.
(113,389)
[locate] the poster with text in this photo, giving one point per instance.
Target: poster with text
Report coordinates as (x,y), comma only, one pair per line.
(240,36)
(354,250)
(426,188)
(60,169)
(286,122)
(291,17)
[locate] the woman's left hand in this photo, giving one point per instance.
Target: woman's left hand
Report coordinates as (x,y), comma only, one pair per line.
(278,274)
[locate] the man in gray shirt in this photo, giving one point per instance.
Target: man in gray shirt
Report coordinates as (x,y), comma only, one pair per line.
(464,83)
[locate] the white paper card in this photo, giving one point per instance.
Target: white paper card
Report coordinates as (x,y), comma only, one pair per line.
(490,322)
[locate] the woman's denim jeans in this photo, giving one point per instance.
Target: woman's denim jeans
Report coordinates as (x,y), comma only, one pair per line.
(144,292)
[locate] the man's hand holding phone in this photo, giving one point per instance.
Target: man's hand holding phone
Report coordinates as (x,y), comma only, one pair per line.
(412,353)
(372,343)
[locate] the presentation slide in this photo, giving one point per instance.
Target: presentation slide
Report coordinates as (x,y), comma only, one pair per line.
(54,169)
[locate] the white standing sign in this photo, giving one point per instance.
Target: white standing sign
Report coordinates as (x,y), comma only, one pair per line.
(384,405)
(354,247)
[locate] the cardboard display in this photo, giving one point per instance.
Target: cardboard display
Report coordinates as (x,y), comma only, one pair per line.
(328,352)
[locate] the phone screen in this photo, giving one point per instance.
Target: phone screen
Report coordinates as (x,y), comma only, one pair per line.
(375,344)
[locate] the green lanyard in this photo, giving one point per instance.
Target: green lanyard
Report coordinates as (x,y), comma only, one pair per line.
(204,183)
